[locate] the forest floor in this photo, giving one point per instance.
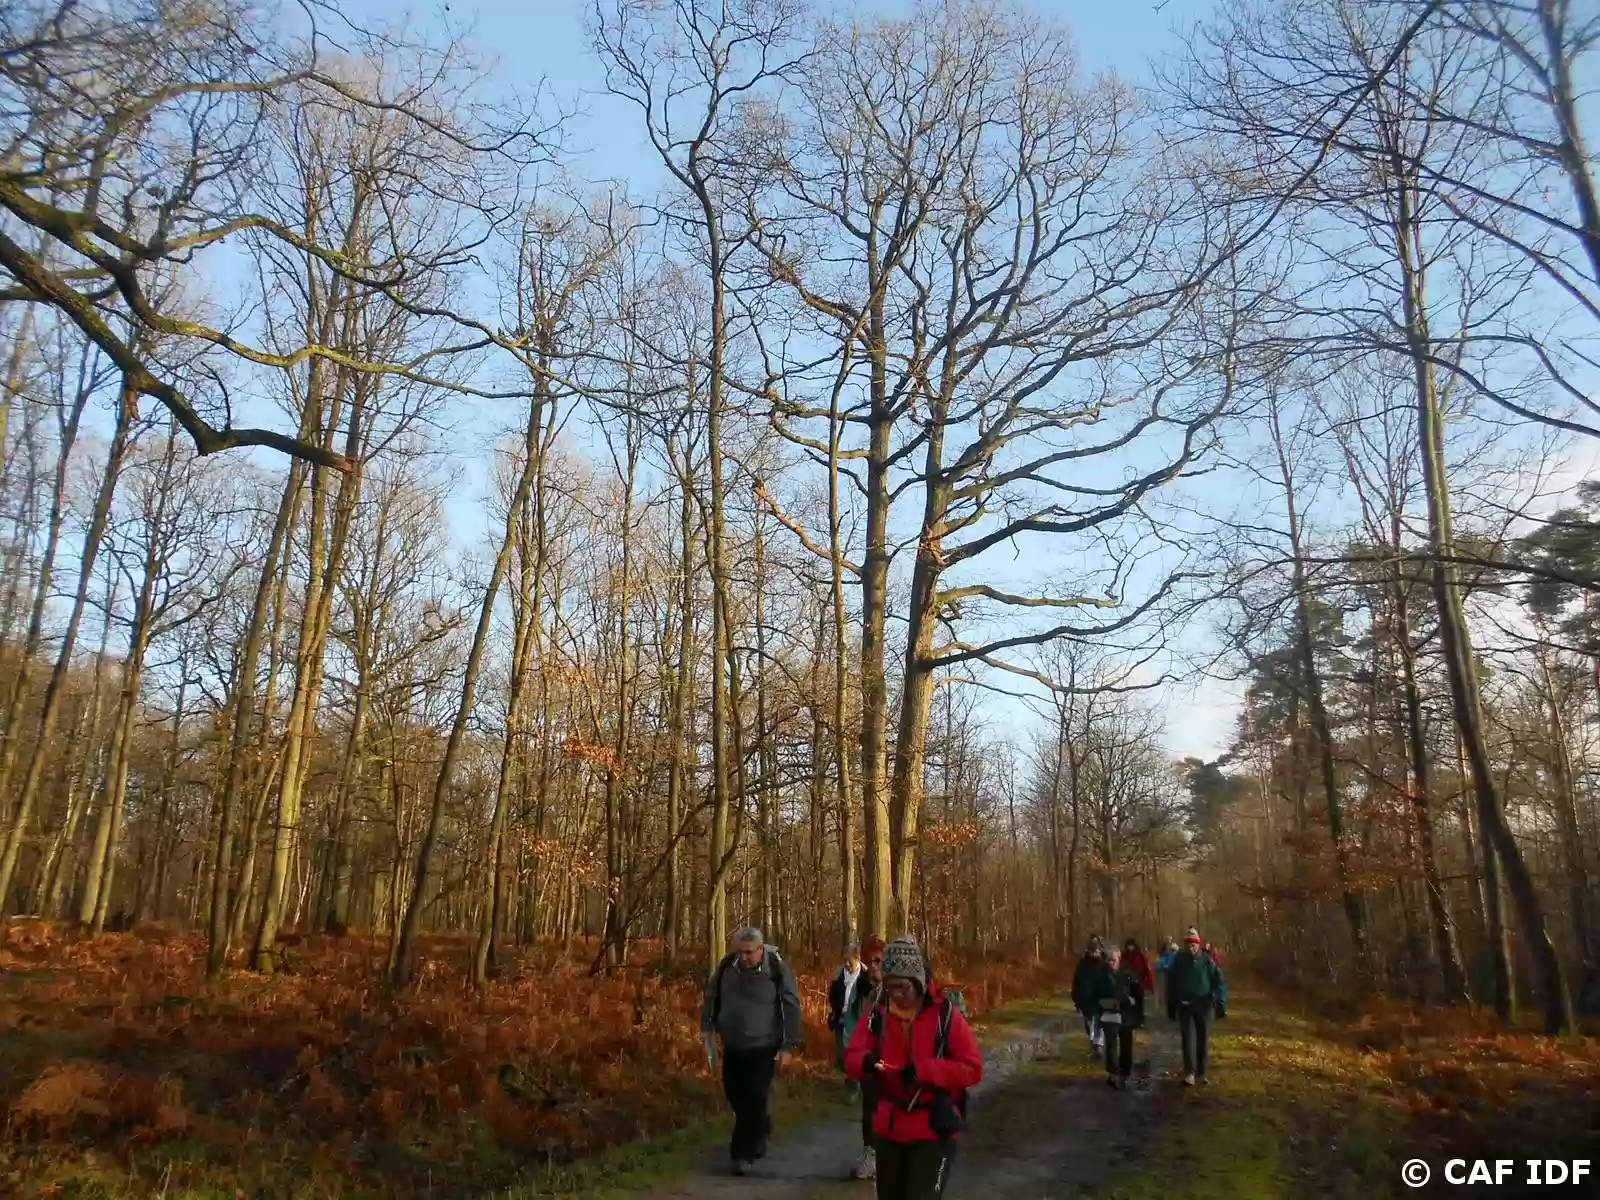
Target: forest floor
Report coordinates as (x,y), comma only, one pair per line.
(124,1074)
(1296,1107)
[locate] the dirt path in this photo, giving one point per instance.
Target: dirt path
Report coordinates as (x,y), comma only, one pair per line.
(1044,1125)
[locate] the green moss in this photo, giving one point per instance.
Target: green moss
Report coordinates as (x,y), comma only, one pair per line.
(1287,1114)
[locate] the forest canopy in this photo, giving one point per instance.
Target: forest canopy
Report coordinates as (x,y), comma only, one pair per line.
(846,523)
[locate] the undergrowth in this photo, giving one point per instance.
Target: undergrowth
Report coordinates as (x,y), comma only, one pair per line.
(1304,1105)
(123,1072)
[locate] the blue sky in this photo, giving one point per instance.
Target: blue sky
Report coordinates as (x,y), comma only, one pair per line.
(530,40)
(547,40)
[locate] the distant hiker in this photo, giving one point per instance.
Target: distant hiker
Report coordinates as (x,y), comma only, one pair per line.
(840,992)
(1116,993)
(1169,951)
(1090,965)
(923,1054)
(1195,990)
(1214,953)
(753,1006)
(1137,965)
(867,996)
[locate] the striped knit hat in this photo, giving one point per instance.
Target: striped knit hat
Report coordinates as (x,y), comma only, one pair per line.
(902,959)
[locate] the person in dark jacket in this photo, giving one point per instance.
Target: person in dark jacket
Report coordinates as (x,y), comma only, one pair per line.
(1090,965)
(1137,965)
(1195,990)
(921,1091)
(752,1004)
(867,996)
(841,990)
(1116,993)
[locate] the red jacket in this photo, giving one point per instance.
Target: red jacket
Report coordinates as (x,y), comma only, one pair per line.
(960,1069)
(1137,965)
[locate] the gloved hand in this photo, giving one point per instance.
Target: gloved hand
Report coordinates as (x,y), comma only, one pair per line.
(1221,1013)
(869,1065)
(909,1074)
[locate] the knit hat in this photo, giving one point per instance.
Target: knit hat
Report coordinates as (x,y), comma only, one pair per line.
(873,945)
(902,959)
(1192,936)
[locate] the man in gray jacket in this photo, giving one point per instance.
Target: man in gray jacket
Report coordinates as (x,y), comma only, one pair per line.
(752,1004)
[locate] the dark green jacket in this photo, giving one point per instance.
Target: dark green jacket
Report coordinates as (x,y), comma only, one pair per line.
(1194,981)
(865,996)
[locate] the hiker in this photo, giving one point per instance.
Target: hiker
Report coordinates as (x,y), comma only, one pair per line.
(923,1054)
(1137,965)
(753,1006)
(1195,990)
(1090,965)
(841,991)
(866,997)
(1213,953)
(1169,951)
(1117,996)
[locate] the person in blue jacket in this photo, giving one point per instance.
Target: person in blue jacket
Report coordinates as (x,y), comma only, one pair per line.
(1169,951)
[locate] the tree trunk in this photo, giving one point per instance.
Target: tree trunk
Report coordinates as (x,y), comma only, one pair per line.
(1316,709)
(1452,975)
(127,411)
(241,717)
(405,961)
(1455,639)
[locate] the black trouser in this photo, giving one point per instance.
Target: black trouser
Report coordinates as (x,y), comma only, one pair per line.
(914,1170)
(869,1107)
(746,1081)
(1119,1049)
(1194,1023)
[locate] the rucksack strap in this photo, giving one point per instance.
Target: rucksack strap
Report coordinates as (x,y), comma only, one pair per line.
(716,988)
(941,1043)
(777,987)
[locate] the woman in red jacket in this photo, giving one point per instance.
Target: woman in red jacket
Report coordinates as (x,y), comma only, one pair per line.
(922,1093)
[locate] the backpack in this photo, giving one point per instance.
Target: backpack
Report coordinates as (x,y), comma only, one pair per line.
(777,987)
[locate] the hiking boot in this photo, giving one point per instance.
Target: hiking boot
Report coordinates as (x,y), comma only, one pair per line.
(1111,1081)
(743,1166)
(1188,1081)
(1201,1079)
(867,1165)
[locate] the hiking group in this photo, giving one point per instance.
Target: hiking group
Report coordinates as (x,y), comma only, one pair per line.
(905,1044)
(900,1039)
(1109,988)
